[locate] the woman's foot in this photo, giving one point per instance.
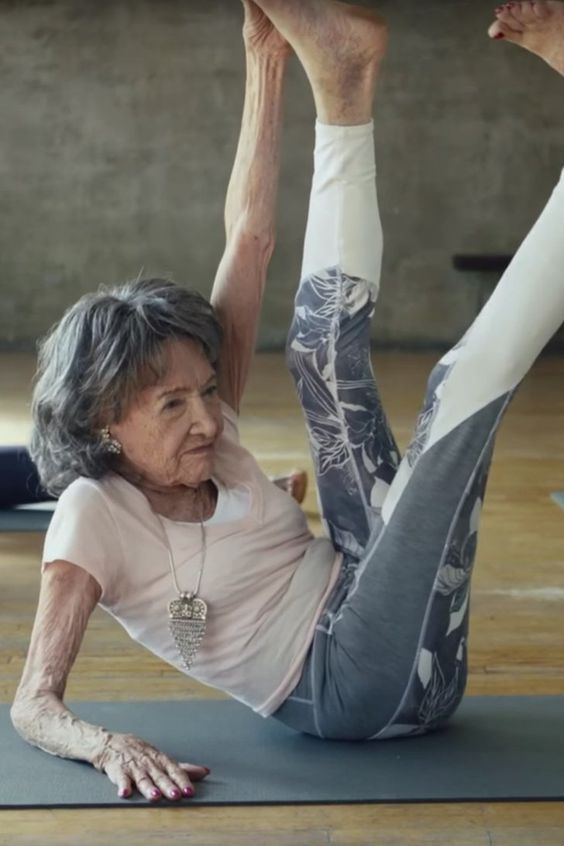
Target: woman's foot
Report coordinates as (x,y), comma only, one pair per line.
(341,48)
(295,484)
(537,26)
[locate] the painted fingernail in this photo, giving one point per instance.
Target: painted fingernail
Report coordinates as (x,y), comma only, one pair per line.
(124,792)
(499,35)
(174,794)
(188,791)
(156,793)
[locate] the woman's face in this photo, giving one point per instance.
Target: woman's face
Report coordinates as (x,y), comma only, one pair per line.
(169,433)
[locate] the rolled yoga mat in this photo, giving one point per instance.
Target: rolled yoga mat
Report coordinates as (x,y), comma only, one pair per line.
(27,518)
(494,749)
(558,498)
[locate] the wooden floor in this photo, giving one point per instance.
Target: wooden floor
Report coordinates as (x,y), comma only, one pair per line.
(516,646)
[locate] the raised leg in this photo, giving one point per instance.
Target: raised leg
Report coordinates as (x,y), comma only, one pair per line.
(329,342)
(354,451)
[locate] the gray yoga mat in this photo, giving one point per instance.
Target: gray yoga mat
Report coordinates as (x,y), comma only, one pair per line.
(494,749)
(27,518)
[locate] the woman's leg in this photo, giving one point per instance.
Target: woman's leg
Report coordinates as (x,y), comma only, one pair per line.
(390,658)
(328,351)
(393,658)
(20,484)
(328,347)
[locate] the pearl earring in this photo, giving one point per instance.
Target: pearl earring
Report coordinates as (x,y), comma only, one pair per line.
(110,444)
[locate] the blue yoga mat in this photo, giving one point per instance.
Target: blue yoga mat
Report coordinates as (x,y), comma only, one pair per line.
(27,518)
(494,749)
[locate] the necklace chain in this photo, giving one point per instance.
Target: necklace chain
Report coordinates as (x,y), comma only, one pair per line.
(202,564)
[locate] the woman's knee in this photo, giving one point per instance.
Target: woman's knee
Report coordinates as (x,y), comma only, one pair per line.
(326,333)
(349,717)
(305,345)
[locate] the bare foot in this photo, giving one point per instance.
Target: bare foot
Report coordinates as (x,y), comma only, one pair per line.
(295,484)
(341,48)
(537,26)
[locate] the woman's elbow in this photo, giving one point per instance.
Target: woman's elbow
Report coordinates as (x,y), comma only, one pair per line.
(28,707)
(253,237)
(22,715)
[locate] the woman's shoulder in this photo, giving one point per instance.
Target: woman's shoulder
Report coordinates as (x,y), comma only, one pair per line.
(81,489)
(82,508)
(94,496)
(84,490)
(84,532)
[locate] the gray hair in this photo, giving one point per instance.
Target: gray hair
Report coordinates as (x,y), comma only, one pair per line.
(104,350)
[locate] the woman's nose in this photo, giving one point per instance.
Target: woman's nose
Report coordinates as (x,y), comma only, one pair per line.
(204,422)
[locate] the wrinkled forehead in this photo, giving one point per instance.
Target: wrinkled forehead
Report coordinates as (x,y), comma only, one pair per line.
(182,363)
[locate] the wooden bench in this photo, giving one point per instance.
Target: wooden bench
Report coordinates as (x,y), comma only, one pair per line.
(486,269)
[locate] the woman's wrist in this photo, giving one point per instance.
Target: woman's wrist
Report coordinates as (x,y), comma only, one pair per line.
(47,723)
(275,60)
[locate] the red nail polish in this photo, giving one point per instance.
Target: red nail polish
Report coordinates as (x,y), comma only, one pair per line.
(499,35)
(188,791)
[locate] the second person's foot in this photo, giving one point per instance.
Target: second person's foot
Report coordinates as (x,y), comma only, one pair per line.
(295,484)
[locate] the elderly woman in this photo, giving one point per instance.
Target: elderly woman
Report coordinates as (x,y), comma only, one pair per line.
(166,521)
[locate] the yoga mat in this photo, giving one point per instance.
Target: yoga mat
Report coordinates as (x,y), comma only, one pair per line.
(27,518)
(494,749)
(558,498)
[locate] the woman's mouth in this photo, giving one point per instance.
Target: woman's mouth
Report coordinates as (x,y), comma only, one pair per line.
(201,450)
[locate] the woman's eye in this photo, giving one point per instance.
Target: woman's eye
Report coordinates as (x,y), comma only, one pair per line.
(209,392)
(172,404)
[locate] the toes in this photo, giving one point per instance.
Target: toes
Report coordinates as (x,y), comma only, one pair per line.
(524,12)
(500,30)
(540,10)
(505,16)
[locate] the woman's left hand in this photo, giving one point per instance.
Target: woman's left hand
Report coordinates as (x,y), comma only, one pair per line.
(260,35)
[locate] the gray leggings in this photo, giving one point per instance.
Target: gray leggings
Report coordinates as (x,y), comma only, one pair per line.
(389,654)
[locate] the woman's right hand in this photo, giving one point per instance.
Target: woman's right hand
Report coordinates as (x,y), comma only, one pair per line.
(260,35)
(67,597)
(132,763)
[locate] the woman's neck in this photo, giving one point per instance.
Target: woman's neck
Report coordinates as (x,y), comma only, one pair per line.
(183,503)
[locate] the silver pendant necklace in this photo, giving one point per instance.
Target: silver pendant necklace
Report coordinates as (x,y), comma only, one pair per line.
(187,615)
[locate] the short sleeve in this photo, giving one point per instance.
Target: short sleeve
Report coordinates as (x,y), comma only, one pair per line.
(84,533)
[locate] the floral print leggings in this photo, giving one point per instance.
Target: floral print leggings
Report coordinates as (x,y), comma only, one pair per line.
(389,654)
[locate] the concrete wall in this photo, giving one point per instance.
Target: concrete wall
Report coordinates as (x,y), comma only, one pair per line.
(119,121)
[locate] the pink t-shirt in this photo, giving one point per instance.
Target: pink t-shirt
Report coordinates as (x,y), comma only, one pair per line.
(266,578)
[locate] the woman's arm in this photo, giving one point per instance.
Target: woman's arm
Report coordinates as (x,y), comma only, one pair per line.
(67,598)
(250,208)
